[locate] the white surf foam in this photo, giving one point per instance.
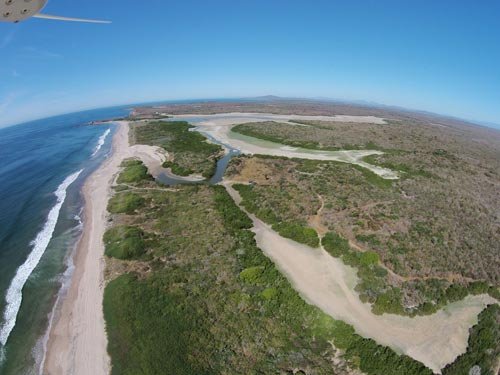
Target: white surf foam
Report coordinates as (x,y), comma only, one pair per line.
(14,293)
(101,141)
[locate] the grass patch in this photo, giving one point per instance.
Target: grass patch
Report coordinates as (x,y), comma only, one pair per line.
(191,151)
(125,203)
(298,233)
(148,331)
(124,242)
(134,171)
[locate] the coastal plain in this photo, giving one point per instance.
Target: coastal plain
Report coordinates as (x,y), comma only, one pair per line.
(270,270)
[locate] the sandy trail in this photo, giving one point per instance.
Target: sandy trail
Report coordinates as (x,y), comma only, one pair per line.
(219,127)
(326,282)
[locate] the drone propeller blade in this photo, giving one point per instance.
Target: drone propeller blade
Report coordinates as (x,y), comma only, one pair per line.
(59,18)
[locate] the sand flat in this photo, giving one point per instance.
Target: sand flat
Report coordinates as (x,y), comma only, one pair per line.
(219,128)
(326,282)
(242,117)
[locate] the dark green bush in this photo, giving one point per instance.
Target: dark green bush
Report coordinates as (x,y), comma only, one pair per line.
(298,233)
(126,203)
(335,244)
(134,171)
(483,348)
(124,242)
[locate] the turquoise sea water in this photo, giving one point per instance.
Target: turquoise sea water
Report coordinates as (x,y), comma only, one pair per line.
(43,165)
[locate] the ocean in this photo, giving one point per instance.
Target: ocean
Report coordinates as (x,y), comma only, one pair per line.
(43,165)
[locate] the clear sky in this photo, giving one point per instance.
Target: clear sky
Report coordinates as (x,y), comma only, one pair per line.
(442,56)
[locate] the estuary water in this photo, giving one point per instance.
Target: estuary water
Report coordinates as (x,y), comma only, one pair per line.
(43,165)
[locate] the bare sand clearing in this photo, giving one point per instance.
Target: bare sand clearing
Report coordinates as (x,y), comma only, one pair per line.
(154,157)
(326,282)
(219,127)
(256,117)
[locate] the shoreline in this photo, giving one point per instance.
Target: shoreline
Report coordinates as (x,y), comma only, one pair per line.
(77,341)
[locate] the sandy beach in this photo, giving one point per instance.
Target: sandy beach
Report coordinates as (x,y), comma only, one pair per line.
(77,342)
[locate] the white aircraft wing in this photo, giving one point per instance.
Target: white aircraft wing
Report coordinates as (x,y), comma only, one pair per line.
(71,19)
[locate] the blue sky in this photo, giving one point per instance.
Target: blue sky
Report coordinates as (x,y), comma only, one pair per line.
(442,56)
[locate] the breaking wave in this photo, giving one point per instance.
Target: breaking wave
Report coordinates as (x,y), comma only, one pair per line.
(14,294)
(101,141)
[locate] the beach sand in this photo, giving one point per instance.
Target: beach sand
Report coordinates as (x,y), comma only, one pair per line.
(77,342)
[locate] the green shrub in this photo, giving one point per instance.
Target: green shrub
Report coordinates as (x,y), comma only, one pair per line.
(269,293)
(335,244)
(177,169)
(483,348)
(478,287)
(233,217)
(370,239)
(124,242)
(456,292)
(388,302)
(298,233)
(252,275)
(134,171)
(369,258)
(494,292)
(126,203)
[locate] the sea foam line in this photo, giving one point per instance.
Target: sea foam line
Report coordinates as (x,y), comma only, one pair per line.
(14,294)
(101,141)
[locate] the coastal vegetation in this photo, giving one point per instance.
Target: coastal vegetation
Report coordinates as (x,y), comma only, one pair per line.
(198,298)
(124,242)
(189,151)
(371,227)
(133,171)
(296,231)
(125,202)
(483,351)
(204,299)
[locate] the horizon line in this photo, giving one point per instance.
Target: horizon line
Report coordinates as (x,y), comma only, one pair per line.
(361,103)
